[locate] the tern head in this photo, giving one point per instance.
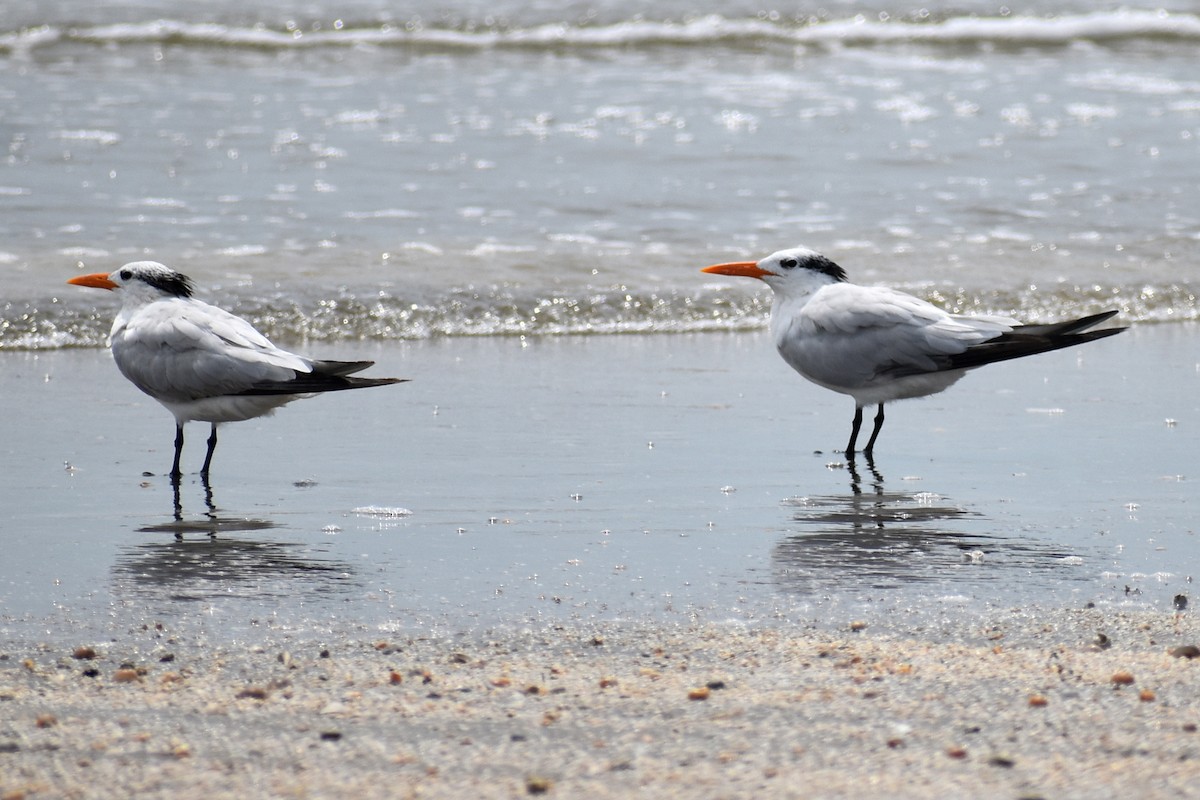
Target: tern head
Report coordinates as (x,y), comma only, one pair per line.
(144,280)
(793,271)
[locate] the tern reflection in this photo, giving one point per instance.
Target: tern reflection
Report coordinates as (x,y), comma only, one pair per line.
(218,564)
(210,521)
(872,538)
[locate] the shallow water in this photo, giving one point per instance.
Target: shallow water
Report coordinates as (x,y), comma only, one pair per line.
(671,478)
(441,190)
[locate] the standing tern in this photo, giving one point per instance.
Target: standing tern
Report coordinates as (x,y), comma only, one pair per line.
(877,344)
(203,363)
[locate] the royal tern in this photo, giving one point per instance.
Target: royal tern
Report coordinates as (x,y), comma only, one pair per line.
(203,363)
(877,344)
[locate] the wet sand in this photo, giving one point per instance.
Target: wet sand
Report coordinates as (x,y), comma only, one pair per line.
(607,565)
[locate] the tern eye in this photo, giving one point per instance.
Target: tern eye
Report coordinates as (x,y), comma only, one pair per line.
(126,274)
(788,263)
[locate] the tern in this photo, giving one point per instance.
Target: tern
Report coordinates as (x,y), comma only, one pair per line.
(203,363)
(878,344)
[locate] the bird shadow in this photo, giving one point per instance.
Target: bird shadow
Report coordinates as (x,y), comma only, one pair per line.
(874,538)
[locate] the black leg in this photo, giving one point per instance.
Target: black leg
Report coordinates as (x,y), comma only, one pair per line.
(875,433)
(212,445)
(854,431)
(175,473)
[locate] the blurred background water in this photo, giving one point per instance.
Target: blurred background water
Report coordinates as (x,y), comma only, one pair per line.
(367,169)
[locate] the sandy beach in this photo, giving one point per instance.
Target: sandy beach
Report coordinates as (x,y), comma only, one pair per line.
(615,711)
(658,579)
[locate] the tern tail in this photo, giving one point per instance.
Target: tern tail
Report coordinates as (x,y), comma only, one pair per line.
(340,367)
(313,383)
(1069,326)
(1028,340)
(327,376)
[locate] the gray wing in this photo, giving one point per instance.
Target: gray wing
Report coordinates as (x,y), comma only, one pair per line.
(849,336)
(185,349)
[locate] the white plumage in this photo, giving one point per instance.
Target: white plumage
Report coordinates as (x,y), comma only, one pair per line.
(203,363)
(877,344)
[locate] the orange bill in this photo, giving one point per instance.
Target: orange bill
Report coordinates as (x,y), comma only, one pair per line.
(97,280)
(744,269)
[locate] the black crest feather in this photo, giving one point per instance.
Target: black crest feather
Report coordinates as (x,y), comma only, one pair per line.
(819,263)
(169,281)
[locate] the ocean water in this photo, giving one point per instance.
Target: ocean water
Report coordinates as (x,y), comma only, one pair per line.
(367,170)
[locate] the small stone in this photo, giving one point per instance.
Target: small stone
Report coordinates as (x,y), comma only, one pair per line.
(46,721)
(1001,761)
(1122,678)
(1181,602)
(1186,651)
(252,693)
(1038,701)
(1146,696)
(126,675)
(536,784)
(331,736)
(700,693)
(83,654)
(858,625)
(956,752)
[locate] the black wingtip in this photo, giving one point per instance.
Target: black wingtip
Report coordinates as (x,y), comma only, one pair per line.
(1055,329)
(367,383)
(1084,323)
(340,367)
(1028,340)
(316,382)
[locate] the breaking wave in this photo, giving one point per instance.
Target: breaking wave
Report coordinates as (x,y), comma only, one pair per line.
(504,311)
(704,31)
